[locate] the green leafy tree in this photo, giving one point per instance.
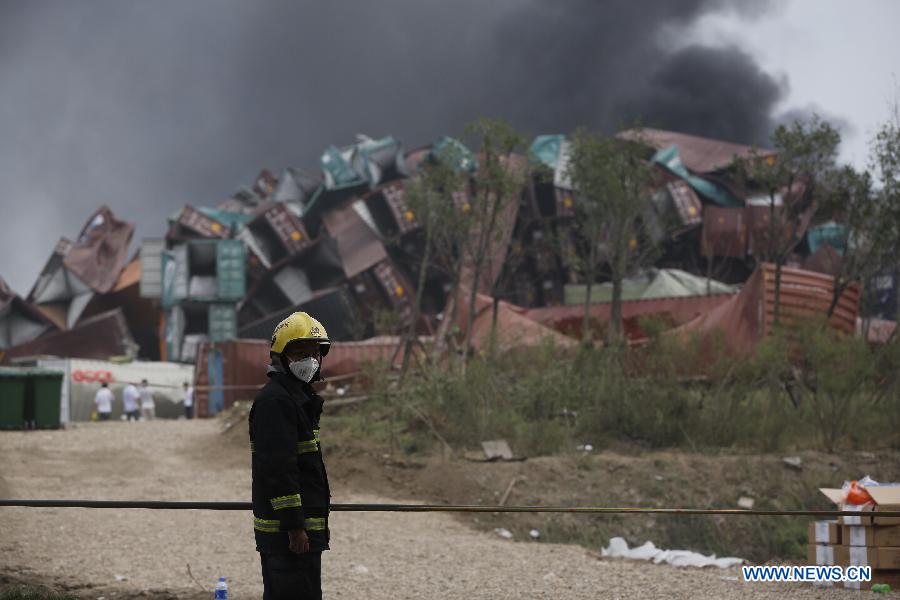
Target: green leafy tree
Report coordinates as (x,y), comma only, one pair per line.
(859,211)
(462,203)
(432,197)
(611,179)
(838,376)
(886,167)
(805,157)
(496,186)
(867,212)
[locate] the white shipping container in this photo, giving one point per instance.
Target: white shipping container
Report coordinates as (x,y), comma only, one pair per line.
(83,377)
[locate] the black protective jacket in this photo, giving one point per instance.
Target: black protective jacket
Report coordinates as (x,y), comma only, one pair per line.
(290,485)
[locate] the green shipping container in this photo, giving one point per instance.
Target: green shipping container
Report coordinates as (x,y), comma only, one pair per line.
(222,322)
(230,261)
(29,398)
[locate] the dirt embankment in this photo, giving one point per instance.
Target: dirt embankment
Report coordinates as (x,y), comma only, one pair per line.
(635,477)
(143,553)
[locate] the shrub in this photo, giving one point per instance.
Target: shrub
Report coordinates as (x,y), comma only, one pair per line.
(543,400)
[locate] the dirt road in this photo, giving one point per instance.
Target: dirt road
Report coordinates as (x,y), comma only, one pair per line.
(143,553)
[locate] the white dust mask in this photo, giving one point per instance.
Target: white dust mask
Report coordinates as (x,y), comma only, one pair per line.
(305,369)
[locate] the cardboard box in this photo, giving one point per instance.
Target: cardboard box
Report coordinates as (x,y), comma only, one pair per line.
(825,532)
(820,554)
(887,498)
(870,536)
(892,578)
(837,496)
(877,558)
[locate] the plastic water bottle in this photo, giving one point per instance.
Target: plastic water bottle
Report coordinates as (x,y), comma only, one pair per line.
(222,589)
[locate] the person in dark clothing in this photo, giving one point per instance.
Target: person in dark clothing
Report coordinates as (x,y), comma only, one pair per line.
(291,496)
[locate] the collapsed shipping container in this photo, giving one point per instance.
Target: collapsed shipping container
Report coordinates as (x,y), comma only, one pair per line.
(226,372)
(203,271)
(189,324)
(235,370)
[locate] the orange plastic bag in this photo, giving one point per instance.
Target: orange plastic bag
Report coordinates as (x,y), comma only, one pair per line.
(857,494)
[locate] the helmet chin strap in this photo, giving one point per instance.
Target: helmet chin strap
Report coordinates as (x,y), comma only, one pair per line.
(318,375)
(285,366)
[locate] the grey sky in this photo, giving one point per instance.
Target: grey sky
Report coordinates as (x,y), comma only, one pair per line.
(146,106)
(840,58)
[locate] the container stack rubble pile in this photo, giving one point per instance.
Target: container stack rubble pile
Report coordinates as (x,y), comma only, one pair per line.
(341,241)
(84,302)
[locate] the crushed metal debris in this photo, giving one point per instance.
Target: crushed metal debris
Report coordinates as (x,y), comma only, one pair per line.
(339,240)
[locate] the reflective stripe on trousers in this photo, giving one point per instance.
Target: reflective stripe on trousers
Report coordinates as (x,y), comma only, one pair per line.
(304,446)
(290,501)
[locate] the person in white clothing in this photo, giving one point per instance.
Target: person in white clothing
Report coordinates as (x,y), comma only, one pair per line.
(130,396)
(103,402)
(148,408)
(188,401)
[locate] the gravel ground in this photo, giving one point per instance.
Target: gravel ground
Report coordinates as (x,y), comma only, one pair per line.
(134,553)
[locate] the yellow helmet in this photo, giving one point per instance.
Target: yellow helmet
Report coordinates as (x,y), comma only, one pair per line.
(299,326)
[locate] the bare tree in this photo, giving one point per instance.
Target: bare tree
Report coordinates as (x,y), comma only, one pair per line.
(514,258)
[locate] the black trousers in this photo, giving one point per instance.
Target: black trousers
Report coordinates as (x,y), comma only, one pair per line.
(292,576)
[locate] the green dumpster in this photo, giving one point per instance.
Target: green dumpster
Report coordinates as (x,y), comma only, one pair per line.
(47,389)
(12,399)
(29,398)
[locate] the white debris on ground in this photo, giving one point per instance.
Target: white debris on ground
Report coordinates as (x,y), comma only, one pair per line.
(618,548)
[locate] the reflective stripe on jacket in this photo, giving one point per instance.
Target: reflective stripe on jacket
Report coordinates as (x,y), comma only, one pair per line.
(290,484)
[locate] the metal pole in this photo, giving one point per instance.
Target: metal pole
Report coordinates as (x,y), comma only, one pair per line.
(596,510)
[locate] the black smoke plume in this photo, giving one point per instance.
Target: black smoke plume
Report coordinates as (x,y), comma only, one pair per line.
(146,106)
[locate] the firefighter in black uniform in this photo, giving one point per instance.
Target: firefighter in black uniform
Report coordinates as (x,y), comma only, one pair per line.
(291,497)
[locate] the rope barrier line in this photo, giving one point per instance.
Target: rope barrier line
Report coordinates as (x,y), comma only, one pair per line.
(596,510)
